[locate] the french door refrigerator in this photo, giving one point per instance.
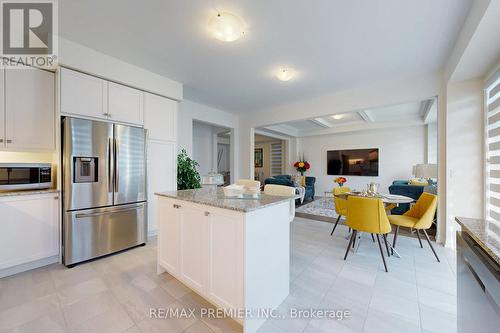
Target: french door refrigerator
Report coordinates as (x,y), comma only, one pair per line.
(104,188)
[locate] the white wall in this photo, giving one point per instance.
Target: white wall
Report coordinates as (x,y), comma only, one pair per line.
(399,149)
(85,59)
(191,111)
(432,143)
(465,151)
(203,147)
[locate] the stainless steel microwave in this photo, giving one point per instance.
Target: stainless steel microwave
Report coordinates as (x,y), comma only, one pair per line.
(24,176)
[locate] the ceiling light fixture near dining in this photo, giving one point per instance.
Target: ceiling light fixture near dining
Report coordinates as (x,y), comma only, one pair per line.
(337,116)
(226,26)
(285,74)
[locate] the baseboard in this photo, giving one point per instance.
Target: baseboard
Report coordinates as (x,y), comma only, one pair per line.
(28,266)
(152,234)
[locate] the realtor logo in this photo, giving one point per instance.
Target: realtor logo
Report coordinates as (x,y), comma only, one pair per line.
(29,33)
(27,28)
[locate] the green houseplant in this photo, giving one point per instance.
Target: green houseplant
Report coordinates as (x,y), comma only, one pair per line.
(187,175)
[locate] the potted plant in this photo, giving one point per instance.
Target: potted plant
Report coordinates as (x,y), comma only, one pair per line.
(187,175)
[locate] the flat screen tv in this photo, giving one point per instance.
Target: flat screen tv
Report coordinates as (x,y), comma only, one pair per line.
(353,162)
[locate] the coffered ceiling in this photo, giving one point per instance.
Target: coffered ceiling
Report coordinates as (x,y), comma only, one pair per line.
(415,113)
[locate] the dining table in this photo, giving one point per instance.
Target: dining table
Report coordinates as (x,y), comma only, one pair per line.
(390,201)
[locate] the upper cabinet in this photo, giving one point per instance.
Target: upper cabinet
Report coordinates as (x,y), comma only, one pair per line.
(160,117)
(125,104)
(28,110)
(89,96)
(83,94)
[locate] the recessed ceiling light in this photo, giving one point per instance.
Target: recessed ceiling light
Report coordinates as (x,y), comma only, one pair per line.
(285,74)
(337,116)
(226,26)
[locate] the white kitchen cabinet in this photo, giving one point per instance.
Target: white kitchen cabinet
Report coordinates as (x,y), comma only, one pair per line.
(193,238)
(162,175)
(83,94)
(235,259)
(29,109)
(125,104)
(224,284)
(30,228)
(169,250)
(160,117)
(205,245)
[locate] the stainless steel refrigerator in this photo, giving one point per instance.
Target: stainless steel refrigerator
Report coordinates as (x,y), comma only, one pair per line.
(104,188)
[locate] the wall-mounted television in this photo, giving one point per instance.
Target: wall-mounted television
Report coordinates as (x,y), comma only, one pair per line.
(353,162)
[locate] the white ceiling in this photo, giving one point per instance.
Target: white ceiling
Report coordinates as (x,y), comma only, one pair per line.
(415,113)
(334,44)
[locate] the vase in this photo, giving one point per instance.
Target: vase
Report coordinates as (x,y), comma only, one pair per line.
(302,173)
(341,184)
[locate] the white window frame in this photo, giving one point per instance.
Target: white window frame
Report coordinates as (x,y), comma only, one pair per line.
(493,81)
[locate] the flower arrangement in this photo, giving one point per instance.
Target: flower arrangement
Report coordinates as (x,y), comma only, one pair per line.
(302,166)
(340,181)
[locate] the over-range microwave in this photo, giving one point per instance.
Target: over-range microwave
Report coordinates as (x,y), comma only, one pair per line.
(24,176)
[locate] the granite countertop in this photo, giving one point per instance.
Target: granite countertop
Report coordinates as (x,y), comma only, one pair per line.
(208,197)
(27,192)
(485,233)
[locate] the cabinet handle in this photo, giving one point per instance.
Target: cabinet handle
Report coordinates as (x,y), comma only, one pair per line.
(177,206)
(9,141)
(207,213)
(56,198)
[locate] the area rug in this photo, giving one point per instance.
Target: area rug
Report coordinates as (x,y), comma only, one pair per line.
(322,209)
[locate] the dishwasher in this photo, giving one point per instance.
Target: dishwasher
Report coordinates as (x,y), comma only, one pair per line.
(478,288)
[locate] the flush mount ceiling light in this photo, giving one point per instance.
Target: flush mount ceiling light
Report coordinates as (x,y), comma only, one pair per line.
(226,26)
(285,74)
(337,116)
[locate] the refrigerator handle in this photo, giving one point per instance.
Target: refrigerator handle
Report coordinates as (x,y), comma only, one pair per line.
(116,166)
(110,165)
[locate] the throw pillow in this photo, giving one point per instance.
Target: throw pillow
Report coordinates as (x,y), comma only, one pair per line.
(418,181)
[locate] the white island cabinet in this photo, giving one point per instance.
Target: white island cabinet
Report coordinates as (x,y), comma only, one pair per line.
(233,252)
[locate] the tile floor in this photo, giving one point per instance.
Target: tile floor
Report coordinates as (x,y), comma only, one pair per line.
(115,294)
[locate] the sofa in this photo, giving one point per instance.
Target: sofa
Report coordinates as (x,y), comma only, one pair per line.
(286,180)
(402,187)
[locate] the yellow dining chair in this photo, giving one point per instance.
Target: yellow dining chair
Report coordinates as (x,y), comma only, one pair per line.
(368,215)
(340,204)
(419,217)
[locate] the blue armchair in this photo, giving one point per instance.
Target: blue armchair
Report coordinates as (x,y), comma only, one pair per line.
(286,180)
(402,187)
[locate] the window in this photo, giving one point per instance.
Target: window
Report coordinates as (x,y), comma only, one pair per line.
(492,106)
(276,158)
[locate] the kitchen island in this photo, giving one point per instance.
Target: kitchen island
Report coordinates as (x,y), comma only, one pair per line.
(233,252)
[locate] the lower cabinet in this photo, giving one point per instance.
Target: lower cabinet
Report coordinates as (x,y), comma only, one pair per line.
(203,247)
(225,258)
(193,236)
(30,228)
